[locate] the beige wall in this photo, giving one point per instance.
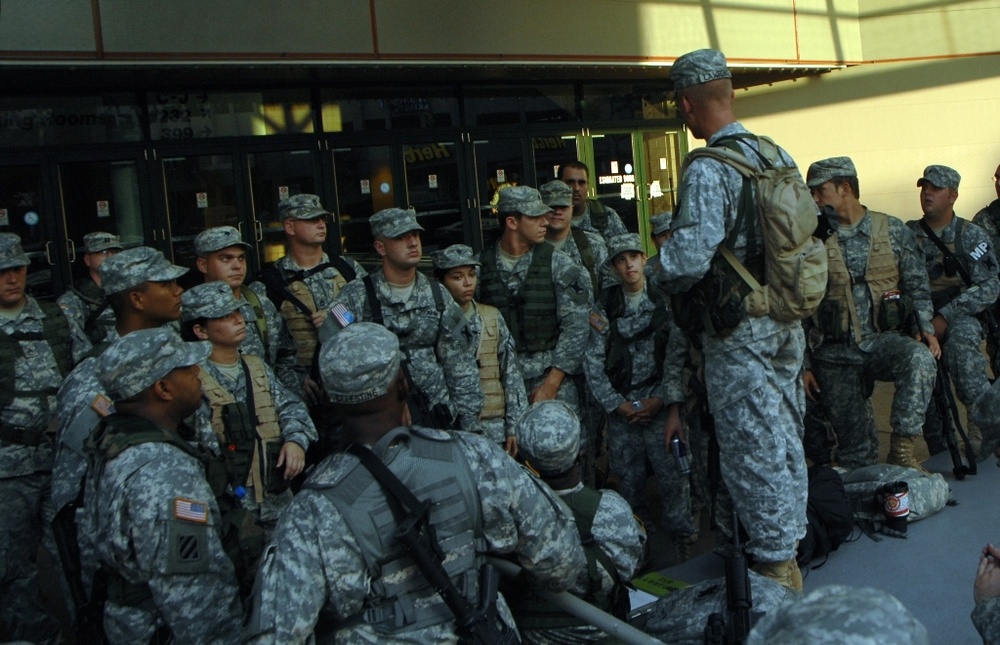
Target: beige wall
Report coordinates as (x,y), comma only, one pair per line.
(892,119)
(894,29)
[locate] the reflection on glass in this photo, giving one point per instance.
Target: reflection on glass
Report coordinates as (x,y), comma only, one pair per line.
(22,212)
(663,160)
(345,110)
(626,103)
(498,164)
(364,187)
(498,105)
(432,190)
(614,177)
(550,153)
(274,176)
(203,115)
(67,120)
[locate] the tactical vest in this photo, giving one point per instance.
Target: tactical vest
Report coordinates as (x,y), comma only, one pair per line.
(531,315)
(532,612)
(96,303)
(488,359)
(55,332)
(254,453)
(586,254)
(261,321)
(881,276)
(598,216)
(400,598)
(945,288)
(618,357)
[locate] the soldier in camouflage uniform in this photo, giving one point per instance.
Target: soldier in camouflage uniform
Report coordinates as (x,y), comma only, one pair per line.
(633,342)
(589,214)
(859,334)
(85,301)
(958,304)
(327,574)
(492,345)
(433,332)
(150,516)
(544,298)
(222,255)
(586,248)
(263,457)
(753,373)
(837,614)
(611,535)
(986,591)
(989,219)
(40,346)
(659,230)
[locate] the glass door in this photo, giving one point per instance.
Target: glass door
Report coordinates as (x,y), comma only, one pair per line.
(661,155)
(28,208)
(496,164)
(365,184)
(550,152)
(433,189)
(273,177)
(613,181)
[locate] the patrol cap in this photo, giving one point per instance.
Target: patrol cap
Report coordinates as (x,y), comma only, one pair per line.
(824,170)
(215,239)
(209,300)
(548,433)
(624,242)
(940,176)
(359,363)
(132,267)
(11,253)
(140,358)
(393,222)
(522,199)
(697,67)
(456,255)
(837,614)
(556,193)
(301,206)
(101,241)
(660,223)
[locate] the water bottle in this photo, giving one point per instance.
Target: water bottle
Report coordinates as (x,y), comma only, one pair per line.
(680,455)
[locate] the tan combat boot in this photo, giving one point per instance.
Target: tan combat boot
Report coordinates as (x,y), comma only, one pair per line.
(786,573)
(901,452)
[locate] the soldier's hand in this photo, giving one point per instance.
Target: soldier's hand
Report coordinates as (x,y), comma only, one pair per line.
(932,344)
(312,390)
(511,446)
(549,388)
(626,410)
(987,583)
(293,458)
(940,325)
(810,384)
(673,426)
(650,408)
(318,318)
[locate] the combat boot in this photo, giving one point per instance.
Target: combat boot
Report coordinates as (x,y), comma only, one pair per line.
(901,452)
(786,573)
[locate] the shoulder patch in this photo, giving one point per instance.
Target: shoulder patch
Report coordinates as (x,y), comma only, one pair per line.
(342,314)
(102,405)
(190,510)
(431,433)
(598,322)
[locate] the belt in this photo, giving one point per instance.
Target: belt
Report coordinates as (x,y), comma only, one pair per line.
(22,436)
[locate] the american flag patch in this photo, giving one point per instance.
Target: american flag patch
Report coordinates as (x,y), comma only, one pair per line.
(102,405)
(190,510)
(342,314)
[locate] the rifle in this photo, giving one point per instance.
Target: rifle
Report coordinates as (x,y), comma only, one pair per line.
(735,626)
(88,613)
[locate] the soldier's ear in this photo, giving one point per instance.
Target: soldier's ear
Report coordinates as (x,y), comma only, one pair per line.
(201,264)
(379,247)
(200,332)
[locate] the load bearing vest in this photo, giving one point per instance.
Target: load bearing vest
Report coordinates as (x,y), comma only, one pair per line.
(494,403)
(299,324)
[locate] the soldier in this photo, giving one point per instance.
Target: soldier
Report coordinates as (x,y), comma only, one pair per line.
(584,247)
(611,536)
(40,345)
(659,230)
(85,301)
(222,255)
(859,334)
(963,275)
(499,372)
(363,581)
(434,334)
(753,373)
(986,591)
(589,214)
(265,427)
(633,343)
(150,515)
(989,219)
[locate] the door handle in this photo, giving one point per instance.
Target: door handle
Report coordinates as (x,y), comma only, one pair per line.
(258,228)
(48,253)
(71,249)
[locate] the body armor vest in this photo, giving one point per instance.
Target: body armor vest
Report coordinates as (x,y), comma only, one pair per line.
(95,325)
(55,332)
(299,323)
(618,357)
(531,315)
(254,453)
(945,288)
(434,468)
(488,359)
(261,322)
(586,254)
(881,276)
(598,215)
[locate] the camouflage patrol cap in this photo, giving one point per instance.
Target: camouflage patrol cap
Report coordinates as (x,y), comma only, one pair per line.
(132,267)
(101,241)
(140,358)
(301,206)
(359,363)
(11,253)
(837,614)
(522,199)
(940,176)
(622,243)
(548,433)
(824,170)
(215,239)
(697,67)
(660,223)
(208,300)
(556,193)
(456,255)
(393,222)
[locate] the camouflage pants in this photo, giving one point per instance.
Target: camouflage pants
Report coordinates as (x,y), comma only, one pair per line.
(630,447)
(846,377)
(22,613)
(960,350)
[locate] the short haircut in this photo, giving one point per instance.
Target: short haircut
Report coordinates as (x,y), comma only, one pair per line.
(850,181)
(119,301)
(187,329)
(579,165)
(721,89)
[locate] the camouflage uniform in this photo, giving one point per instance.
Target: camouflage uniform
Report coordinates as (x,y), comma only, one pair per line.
(614,227)
(986,618)
(658,225)
(151,517)
(26,456)
(630,445)
(86,299)
(988,219)
(753,374)
(316,566)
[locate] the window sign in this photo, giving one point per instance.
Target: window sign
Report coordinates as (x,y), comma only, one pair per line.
(67,120)
(204,115)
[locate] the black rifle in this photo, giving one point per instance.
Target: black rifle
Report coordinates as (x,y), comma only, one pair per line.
(88,612)
(413,528)
(734,627)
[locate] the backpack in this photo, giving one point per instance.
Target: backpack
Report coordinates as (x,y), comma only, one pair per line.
(928,493)
(829,515)
(795,271)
